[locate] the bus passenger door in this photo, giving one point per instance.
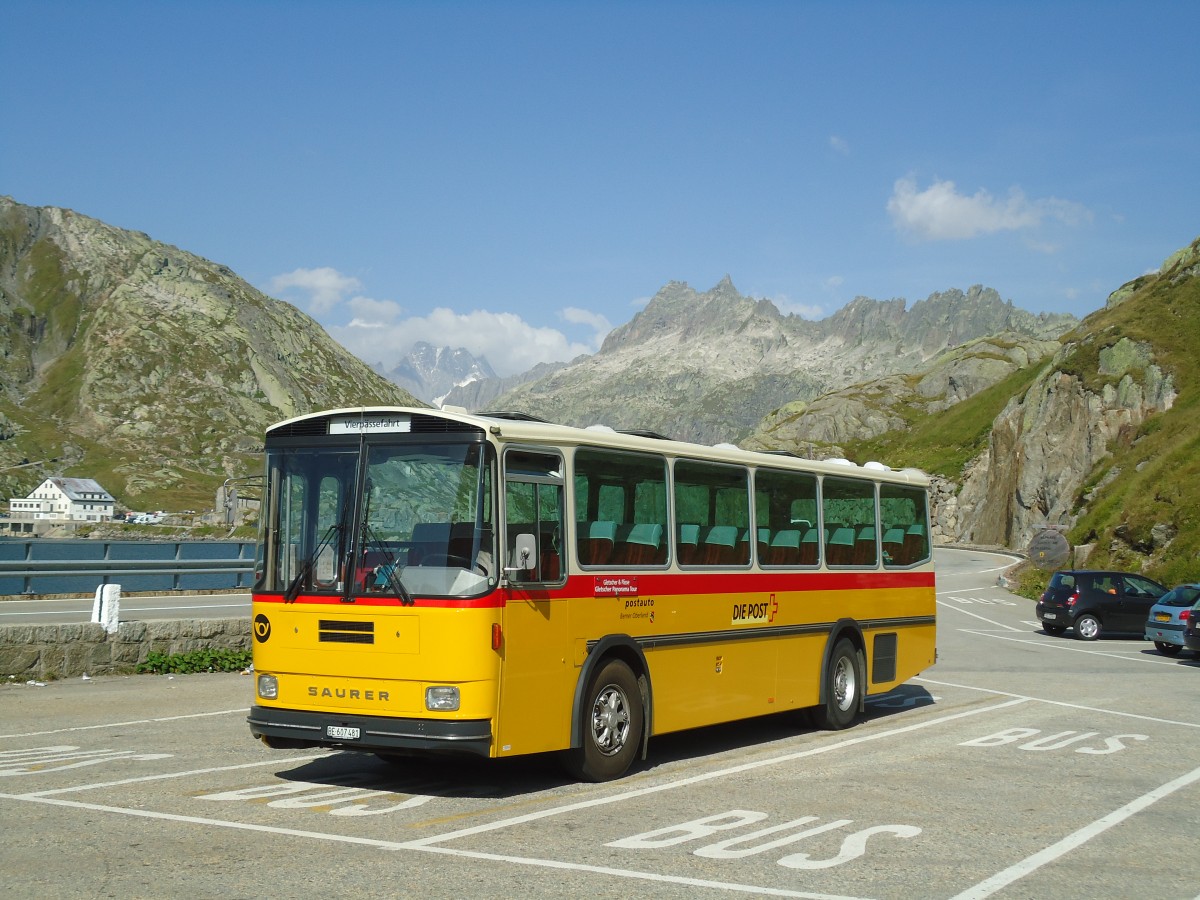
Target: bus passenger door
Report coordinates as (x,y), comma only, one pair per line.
(537,676)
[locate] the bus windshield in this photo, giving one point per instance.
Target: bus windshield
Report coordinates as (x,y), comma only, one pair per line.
(396,520)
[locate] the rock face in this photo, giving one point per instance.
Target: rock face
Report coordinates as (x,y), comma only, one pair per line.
(709,366)
(1045,445)
(148,368)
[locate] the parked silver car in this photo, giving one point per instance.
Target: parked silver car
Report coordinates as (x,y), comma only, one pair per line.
(1169,617)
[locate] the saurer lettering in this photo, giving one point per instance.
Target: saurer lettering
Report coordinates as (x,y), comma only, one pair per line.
(348,694)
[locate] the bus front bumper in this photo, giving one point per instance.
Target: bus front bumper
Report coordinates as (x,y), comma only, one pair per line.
(291,728)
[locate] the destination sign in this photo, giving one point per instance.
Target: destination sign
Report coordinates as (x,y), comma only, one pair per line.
(370,424)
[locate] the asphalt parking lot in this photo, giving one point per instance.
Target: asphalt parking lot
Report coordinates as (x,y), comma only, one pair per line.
(1021,765)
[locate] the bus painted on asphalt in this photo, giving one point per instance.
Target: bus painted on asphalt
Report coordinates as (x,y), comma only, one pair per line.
(433,581)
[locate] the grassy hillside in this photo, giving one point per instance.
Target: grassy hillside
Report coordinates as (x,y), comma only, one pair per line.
(1155,473)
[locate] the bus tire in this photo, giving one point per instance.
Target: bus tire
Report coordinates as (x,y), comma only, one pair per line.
(613,719)
(843,686)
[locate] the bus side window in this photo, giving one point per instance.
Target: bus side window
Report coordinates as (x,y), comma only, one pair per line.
(533,494)
(620,509)
(716,496)
(785,508)
(849,511)
(905,537)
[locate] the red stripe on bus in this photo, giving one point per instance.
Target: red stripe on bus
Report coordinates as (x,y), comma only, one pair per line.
(650,583)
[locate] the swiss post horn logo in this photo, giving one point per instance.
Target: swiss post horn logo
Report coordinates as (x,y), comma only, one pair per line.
(262,628)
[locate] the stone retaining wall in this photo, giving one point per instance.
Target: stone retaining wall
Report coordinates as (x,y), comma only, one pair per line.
(44,652)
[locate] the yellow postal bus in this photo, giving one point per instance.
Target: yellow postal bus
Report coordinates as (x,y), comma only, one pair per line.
(431,581)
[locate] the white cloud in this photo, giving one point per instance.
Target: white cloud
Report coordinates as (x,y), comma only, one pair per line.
(375,332)
(510,344)
(324,288)
(941,213)
(839,145)
(598,323)
(373,311)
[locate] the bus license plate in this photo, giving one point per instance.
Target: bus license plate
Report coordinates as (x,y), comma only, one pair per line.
(342,732)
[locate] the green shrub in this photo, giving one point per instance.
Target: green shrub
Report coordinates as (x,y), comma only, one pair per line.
(1028,580)
(196,661)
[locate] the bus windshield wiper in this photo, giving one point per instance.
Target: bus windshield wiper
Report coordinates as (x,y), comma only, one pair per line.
(304,575)
(389,569)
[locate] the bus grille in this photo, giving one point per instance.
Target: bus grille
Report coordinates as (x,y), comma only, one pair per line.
(334,632)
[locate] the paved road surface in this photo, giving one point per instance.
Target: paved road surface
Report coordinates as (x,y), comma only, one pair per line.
(71,610)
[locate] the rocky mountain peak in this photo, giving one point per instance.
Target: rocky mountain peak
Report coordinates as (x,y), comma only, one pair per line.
(680,313)
(709,366)
(430,372)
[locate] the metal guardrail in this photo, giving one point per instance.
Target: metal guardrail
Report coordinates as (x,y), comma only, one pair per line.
(51,566)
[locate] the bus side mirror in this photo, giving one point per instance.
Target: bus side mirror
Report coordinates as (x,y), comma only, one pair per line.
(524,555)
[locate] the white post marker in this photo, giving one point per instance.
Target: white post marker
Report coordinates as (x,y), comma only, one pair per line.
(97,605)
(106,607)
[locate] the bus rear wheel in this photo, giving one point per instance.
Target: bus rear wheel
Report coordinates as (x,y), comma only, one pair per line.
(843,686)
(613,719)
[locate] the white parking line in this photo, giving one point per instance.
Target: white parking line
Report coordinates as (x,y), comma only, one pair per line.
(1131,654)
(945,605)
(221,712)
(1110,712)
(642,876)
(199,820)
(161,776)
(1000,880)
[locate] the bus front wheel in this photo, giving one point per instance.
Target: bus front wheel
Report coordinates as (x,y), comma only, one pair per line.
(613,719)
(843,685)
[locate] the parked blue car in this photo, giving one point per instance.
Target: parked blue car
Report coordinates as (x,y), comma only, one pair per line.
(1169,618)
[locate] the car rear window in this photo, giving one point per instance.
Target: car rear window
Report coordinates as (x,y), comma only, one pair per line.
(1180,596)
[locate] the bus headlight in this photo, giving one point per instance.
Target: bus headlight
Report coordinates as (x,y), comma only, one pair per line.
(441,698)
(268,687)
